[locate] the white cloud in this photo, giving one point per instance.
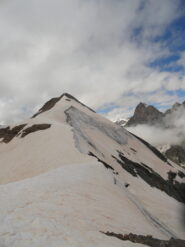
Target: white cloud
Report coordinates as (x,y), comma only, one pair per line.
(87,48)
(155,135)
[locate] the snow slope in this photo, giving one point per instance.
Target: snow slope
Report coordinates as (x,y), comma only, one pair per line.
(63,185)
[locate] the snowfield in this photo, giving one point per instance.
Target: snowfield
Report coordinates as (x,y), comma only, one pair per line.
(68,207)
(65,185)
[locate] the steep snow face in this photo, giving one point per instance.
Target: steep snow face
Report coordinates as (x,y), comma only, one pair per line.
(41,150)
(81,176)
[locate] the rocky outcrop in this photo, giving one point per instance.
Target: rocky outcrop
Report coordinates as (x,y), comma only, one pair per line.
(170,187)
(176,153)
(146,240)
(34,128)
(7,134)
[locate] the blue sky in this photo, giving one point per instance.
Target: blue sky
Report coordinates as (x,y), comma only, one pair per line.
(173,38)
(179,93)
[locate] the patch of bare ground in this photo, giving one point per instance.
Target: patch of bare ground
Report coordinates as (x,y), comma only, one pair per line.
(8,134)
(147,240)
(34,128)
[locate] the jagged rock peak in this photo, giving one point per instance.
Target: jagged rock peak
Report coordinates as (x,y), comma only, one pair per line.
(142,105)
(52,102)
(145,114)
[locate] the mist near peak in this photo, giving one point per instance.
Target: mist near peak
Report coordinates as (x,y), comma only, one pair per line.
(170,131)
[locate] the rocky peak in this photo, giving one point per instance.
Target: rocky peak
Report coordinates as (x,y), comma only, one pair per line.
(145,114)
(52,102)
(142,105)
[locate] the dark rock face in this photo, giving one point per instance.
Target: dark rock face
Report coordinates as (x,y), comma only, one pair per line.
(170,187)
(52,102)
(145,115)
(34,128)
(148,114)
(147,240)
(176,153)
(8,134)
(47,106)
(181,174)
(103,162)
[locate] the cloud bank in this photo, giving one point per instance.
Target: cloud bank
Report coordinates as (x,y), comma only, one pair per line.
(97,50)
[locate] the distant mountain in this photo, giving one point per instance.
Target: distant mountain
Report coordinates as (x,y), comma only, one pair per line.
(149,115)
(145,114)
(70,177)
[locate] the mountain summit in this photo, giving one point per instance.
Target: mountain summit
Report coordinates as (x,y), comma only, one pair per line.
(52,102)
(70,177)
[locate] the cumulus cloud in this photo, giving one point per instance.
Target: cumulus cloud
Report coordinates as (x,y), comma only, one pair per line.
(87,48)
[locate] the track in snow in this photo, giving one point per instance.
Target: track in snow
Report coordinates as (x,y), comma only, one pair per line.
(152,219)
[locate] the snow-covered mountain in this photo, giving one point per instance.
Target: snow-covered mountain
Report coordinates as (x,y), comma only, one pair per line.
(70,177)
